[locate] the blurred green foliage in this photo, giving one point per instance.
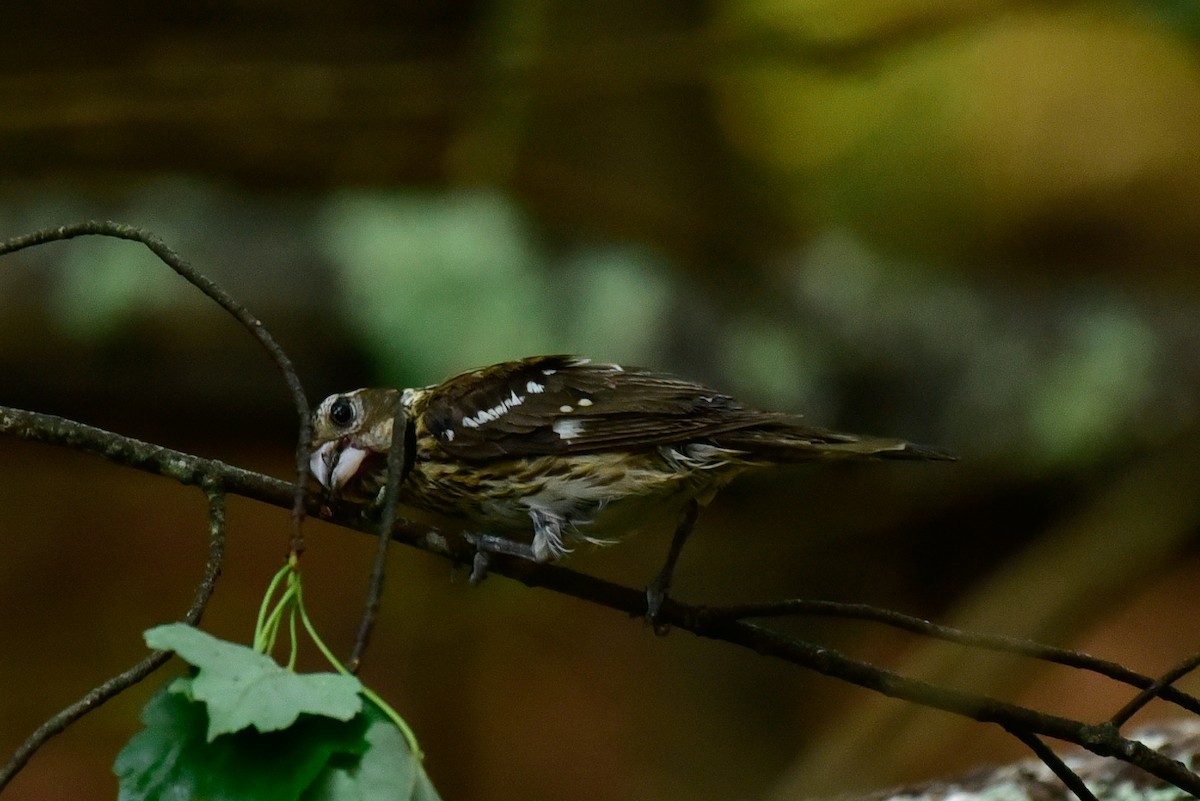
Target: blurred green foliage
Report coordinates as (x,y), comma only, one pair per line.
(437,283)
(961,131)
(100,290)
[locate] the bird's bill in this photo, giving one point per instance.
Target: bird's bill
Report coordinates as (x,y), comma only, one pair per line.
(335,463)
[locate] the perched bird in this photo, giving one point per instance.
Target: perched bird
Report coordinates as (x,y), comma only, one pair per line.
(544,452)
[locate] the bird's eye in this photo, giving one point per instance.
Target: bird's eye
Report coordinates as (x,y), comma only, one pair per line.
(341,412)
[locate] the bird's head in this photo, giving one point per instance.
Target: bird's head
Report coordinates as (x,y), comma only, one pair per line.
(351,429)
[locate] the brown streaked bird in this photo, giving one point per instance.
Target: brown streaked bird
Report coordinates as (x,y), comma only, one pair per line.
(541,453)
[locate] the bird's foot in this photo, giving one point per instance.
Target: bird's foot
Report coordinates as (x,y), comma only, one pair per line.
(479,566)
(656,597)
(488,544)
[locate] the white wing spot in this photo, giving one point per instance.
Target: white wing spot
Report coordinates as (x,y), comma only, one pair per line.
(565,409)
(549,372)
(534,387)
(585,401)
(449,434)
(568,427)
(494,413)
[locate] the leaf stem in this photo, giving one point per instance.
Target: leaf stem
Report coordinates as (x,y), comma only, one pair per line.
(291,602)
(260,624)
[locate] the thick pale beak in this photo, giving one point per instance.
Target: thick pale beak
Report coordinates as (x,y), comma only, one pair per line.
(335,463)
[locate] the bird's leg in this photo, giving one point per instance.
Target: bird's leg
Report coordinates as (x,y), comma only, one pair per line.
(488,544)
(547,543)
(656,593)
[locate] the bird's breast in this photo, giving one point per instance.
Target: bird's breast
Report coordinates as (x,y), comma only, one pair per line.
(581,488)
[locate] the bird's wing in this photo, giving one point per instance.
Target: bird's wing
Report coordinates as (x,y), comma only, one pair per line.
(563,404)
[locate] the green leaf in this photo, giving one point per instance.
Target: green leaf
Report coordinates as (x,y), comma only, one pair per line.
(244,688)
(242,727)
(173,760)
(388,769)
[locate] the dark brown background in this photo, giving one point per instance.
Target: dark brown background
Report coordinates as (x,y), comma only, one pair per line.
(971,224)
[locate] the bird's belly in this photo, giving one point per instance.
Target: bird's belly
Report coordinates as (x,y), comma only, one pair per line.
(598,495)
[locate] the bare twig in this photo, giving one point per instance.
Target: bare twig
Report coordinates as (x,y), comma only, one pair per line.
(401,455)
(971,639)
(216,553)
(1103,739)
(223,299)
(1159,688)
(57,724)
(1053,761)
(201,475)
(123,681)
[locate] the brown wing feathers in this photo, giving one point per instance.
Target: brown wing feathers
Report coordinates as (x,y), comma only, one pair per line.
(561,404)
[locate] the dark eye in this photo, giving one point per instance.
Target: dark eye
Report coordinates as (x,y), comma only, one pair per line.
(341,412)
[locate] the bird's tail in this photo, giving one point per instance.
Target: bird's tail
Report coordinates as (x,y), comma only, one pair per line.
(799,444)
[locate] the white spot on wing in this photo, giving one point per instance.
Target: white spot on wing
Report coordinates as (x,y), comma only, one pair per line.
(449,435)
(585,401)
(494,413)
(549,372)
(568,427)
(565,409)
(534,387)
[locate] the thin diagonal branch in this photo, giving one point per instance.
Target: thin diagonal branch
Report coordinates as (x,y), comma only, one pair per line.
(156,659)
(401,456)
(1053,761)
(970,639)
(57,724)
(1103,739)
(1160,688)
(223,299)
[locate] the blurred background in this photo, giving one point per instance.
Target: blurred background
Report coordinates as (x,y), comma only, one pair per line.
(969,223)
